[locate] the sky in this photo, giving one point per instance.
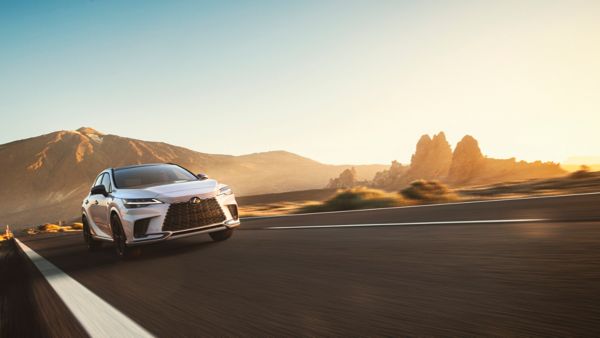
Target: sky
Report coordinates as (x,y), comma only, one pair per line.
(335,81)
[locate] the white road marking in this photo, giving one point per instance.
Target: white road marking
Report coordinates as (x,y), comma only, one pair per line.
(422,205)
(97,317)
(485,221)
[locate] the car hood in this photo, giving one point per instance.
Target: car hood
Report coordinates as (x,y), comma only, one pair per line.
(174,190)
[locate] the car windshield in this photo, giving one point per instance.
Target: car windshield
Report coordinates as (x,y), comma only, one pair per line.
(144,176)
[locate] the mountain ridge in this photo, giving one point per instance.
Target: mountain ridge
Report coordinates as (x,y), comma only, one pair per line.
(45,177)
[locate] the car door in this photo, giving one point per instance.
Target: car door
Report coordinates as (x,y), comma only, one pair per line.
(103,205)
(99,207)
(93,202)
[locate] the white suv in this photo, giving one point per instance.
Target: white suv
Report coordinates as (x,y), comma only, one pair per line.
(155,202)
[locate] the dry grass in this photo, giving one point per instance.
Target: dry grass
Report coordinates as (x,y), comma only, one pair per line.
(420,192)
(6,235)
(357,198)
(77,226)
(576,182)
(269,209)
(428,192)
(54,228)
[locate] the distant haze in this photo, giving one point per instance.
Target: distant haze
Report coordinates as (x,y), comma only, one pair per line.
(335,81)
(575,162)
(583,160)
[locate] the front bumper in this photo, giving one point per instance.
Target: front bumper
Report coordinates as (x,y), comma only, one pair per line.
(156,215)
(168,235)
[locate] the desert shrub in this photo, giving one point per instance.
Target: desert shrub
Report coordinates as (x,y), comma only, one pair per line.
(356,198)
(49,227)
(428,191)
(6,235)
(77,226)
(583,172)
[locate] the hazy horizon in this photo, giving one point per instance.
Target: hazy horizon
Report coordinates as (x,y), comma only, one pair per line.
(339,81)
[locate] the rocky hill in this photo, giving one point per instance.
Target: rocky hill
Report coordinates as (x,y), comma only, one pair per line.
(45,178)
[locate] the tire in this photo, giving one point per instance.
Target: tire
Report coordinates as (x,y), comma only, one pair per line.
(89,240)
(222,235)
(119,237)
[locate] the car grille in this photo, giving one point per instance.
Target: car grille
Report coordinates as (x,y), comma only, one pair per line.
(185,215)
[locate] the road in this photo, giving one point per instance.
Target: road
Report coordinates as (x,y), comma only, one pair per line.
(518,278)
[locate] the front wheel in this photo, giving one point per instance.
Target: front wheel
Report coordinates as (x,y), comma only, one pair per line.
(221,235)
(90,242)
(119,237)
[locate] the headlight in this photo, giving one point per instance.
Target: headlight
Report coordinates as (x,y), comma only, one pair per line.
(140,202)
(226,190)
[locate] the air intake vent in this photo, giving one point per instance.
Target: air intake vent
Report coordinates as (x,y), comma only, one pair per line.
(233,210)
(185,215)
(140,227)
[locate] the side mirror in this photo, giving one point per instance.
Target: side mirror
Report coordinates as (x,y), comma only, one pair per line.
(99,190)
(202,176)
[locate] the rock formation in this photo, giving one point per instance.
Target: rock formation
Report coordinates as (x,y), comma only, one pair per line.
(431,160)
(434,160)
(389,177)
(347,179)
(467,161)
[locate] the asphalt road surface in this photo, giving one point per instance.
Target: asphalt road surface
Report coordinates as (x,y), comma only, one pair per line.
(537,275)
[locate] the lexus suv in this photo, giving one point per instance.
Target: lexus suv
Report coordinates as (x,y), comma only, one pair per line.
(150,203)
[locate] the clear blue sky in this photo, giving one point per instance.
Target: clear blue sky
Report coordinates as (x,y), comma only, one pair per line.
(337,81)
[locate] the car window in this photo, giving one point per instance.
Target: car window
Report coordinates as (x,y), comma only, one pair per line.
(134,177)
(106,182)
(98,180)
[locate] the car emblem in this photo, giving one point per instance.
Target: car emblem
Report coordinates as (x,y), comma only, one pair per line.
(195,200)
